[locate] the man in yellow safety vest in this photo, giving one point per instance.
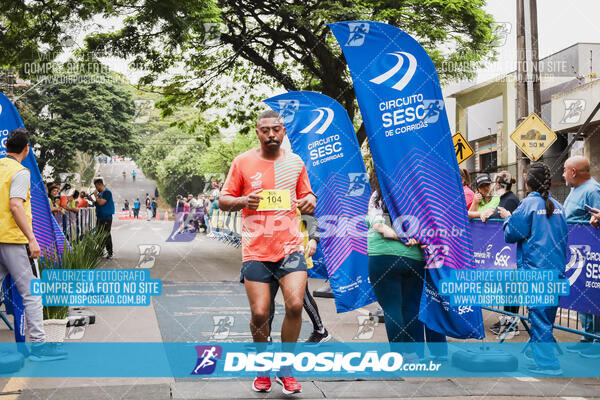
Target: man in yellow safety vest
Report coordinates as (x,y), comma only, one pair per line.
(18,246)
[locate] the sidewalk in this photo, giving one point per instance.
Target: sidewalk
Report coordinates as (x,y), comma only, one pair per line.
(409,389)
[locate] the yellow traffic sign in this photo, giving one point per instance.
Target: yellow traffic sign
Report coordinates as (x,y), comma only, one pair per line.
(533,137)
(462,148)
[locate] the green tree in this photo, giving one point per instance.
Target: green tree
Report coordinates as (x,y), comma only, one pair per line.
(68,113)
(277,42)
(39,30)
(287,42)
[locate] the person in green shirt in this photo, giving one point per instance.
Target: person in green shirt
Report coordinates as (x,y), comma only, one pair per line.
(485,202)
(214,205)
(397,275)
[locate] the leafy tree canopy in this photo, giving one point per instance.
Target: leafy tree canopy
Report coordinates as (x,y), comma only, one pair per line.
(87,113)
(280,42)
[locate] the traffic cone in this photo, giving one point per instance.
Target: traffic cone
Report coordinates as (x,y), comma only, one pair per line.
(166,218)
(157,216)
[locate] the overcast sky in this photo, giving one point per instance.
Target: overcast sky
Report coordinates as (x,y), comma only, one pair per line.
(561,23)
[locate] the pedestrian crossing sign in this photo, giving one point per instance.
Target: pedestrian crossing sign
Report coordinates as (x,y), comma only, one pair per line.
(462,148)
(533,137)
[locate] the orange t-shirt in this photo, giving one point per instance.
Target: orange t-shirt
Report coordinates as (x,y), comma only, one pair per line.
(268,235)
(82,203)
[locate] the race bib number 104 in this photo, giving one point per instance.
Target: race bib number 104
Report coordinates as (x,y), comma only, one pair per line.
(274,200)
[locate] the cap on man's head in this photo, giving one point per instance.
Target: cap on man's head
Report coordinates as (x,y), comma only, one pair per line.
(483,179)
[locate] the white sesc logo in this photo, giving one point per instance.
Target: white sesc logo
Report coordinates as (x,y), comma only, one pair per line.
(358,33)
(389,74)
(315,122)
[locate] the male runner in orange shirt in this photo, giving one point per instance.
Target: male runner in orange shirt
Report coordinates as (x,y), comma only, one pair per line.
(271,238)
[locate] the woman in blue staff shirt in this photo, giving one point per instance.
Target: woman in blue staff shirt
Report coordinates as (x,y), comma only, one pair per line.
(539,228)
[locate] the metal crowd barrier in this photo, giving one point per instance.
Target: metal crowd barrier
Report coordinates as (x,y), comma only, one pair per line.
(566,320)
(75,225)
(226,227)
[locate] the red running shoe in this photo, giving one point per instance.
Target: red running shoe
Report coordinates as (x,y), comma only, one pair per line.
(261,384)
(290,385)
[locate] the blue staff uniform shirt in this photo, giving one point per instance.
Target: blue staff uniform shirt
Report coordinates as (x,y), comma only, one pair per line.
(107,210)
(541,241)
(586,193)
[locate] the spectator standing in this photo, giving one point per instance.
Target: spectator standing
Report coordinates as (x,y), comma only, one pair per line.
(71,211)
(484,202)
(105,208)
(585,191)
(200,213)
(503,189)
(214,205)
(154,207)
(148,207)
(186,210)
(136,208)
(126,205)
(466,181)
(82,200)
(55,208)
(397,274)
(507,205)
(539,228)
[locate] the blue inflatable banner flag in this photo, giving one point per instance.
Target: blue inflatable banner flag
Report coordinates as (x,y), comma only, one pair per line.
(401,102)
(322,134)
(45,228)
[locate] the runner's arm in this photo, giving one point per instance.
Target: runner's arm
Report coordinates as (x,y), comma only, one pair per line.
(312,227)
(230,203)
(517,227)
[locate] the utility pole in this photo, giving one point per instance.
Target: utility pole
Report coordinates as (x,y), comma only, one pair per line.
(535,61)
(522,108)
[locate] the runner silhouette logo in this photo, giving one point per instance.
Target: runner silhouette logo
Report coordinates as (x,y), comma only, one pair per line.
(358,33)
(287,109)
(358,182)
(398,75)
(433,108)
(207,359)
